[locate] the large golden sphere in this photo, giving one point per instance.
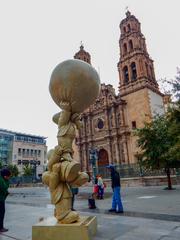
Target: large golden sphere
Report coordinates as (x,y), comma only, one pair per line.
(74,85)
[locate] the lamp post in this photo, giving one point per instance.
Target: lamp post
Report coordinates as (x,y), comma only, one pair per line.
(139,162)
(34,163)
(93,156)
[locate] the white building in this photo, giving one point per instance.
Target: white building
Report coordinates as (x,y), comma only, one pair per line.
(23,149)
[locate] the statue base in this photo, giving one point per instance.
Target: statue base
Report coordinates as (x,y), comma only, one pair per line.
(49,229)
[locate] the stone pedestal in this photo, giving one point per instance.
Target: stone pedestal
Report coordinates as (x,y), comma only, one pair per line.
(49,229)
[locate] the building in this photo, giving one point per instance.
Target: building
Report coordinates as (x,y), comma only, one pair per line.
(23,149)
(109,123)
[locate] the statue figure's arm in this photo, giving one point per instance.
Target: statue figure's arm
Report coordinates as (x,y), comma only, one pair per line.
(64,118)
(76,119)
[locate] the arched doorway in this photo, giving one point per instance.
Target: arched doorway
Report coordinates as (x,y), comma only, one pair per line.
(103,158)
(103,161)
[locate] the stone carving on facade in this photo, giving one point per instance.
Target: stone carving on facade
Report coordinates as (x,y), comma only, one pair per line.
(98,104)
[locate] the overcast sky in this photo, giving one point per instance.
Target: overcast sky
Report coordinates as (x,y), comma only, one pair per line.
(36,35)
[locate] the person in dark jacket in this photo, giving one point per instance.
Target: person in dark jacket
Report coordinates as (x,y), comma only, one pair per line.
(74,191)
(116,186)
(4,185)
(91,201)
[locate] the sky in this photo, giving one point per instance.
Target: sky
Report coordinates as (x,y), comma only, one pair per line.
(36,35)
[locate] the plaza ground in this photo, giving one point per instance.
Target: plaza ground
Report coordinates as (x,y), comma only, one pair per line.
(150,213)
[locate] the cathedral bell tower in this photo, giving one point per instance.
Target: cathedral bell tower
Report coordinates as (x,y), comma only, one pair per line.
(137,83)
(135,67)
(83,55)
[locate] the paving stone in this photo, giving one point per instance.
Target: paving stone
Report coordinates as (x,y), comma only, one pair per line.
(112,231)
(20,218)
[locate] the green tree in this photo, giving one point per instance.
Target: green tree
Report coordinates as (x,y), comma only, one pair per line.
(27,170)
(157,141)
(173,118)
(14,170)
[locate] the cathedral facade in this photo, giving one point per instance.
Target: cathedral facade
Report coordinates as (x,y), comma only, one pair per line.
(108,125)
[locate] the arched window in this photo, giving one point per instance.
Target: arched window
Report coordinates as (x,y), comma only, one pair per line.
(131,45)
(126,74)
(100,123)
(129,27)
(125,48)
(133,71)
(124,29)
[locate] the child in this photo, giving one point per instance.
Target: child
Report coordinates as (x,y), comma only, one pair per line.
(91,201)
(96,187)
(100,187)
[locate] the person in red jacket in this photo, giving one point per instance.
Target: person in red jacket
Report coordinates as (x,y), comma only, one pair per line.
(4,185)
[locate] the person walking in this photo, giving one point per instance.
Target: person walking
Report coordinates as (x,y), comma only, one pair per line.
(100,187)
(4,185)
(116,186)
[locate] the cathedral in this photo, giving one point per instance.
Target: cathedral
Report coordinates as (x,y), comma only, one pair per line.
(109,124)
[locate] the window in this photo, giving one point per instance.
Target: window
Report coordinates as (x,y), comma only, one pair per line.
(25,139)
(126,74)
(19,162)
(31,152)
(133,124)
(100,124)
(25,162)
(130,45)
(23,152)
(133,71)
(125,48)
(19,151)
(39,153)
(129,27)
(124,29)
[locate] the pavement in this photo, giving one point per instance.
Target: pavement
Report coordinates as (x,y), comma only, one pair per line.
(151,213)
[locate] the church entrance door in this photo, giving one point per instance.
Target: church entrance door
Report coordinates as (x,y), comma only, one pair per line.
(103,161)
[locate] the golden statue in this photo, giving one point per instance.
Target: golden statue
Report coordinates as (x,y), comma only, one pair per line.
(74,86)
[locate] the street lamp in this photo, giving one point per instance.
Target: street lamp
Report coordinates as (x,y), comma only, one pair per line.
(93,156)
(34,163)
